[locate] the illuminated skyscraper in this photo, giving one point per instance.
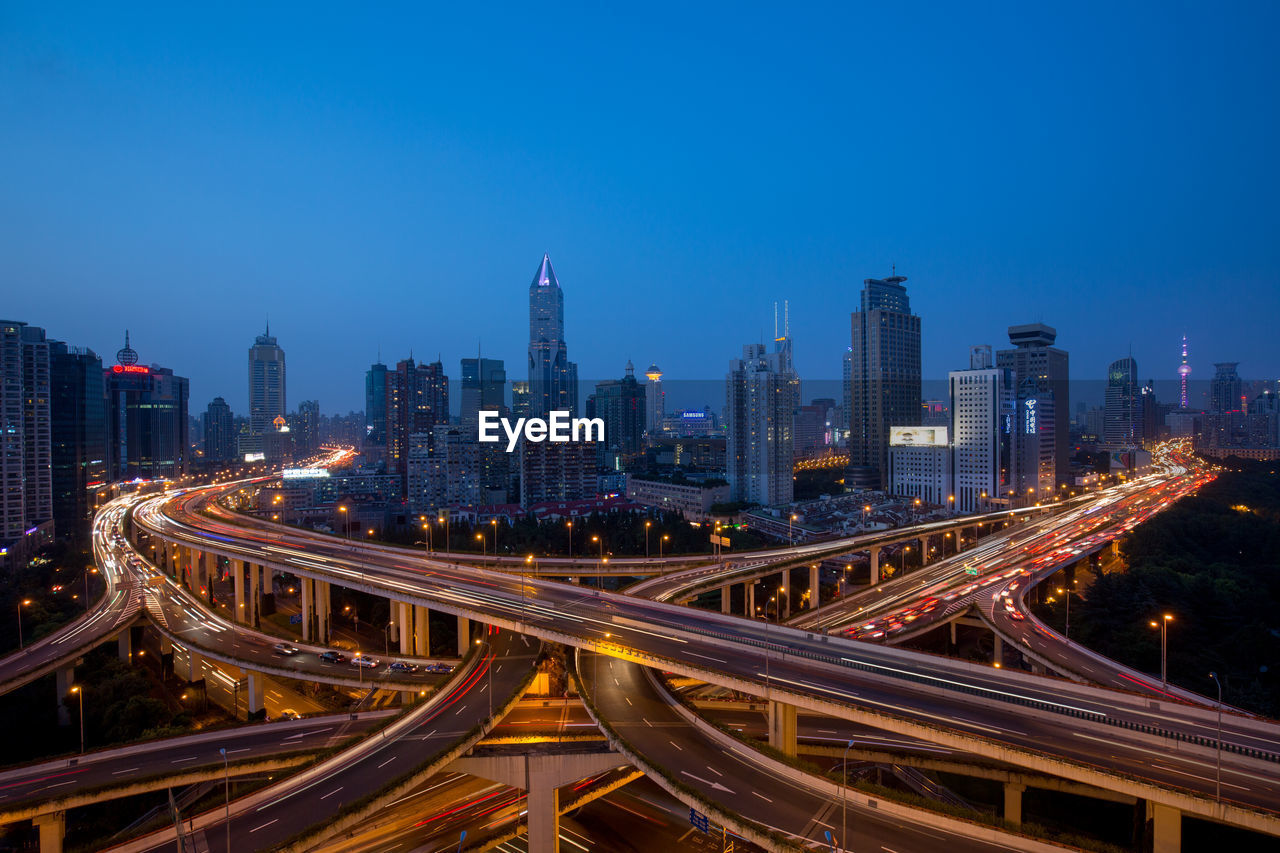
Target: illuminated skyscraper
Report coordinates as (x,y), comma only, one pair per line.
(553,379)
(654,401)
(1184,373)
(762,392)
(1040,372)
(1122,415)
(884,377)
(26,488)
(266,383)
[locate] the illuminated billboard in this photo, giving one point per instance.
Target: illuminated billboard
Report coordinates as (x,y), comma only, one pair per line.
(304,473)
(918,436)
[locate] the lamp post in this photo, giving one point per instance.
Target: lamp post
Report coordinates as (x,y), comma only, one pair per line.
(386,638)
(1066,632)
(600,576)
(1218,783)
(1163,625)
(21,604)
(80,694)
(489,668)
(665,538)
(494,522)
(528,561)
(647,525)
(844,795)
(226,792)
(346,525)
(484,553)
(791,539)
(445,521)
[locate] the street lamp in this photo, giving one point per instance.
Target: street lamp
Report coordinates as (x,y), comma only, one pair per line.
(1163,625)
(346,526)
(484,552)
(791,539)
(80,693)
(665,538)
(494,522)
(386,638)
(1218,785)
(445,521)
(647,525)
(21,604)
(489,668)
(1066,633)
(528,561)
(569,525)
(226,796)
(844,795)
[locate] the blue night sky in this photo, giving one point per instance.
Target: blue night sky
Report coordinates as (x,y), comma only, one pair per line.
(390,177)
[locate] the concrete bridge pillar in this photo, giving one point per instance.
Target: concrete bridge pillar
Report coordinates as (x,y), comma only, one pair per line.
(1013,801)
(237,579)
(749,596)
(307,597)
(255,594)
(543,812)
(52,828)
(323,604)
(65,678)
(873,555)
(784,594)
(1166,828)
(422,631)
(725,606)
(406,628)
(782,727)
(464,635)
(815,590)
(210,573)
(255,708)
(997,653)
(124,645)
(393,628)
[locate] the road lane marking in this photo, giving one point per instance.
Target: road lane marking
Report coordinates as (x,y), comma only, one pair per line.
(676,745)
(188,758)
(118,772)
(331,793)
(762,796)
(385,763)
(265,825)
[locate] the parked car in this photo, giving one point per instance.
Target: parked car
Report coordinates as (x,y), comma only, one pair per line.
(402,666)
(285,649)
(332,657)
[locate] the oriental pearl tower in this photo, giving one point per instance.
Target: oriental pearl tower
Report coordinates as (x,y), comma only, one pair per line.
(1184,370)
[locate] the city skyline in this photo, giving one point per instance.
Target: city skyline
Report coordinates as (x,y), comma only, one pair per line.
(296,197)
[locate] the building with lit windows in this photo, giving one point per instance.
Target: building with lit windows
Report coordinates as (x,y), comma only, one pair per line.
(1041,373)
(147,425)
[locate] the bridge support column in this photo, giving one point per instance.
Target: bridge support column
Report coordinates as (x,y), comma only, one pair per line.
(782,727)
(1166,828)
(307,598)
(323,601)
(1013,802)
(393,614)
(124,645)
(255,709)
(421,631)
(749,597)
(997,653)
(52,828)
(406,628)
(725,606)
(543,813)
(65,677)
(464,635)
(210,573)
(873,555)
(784,594)
(815,590)
(239,613)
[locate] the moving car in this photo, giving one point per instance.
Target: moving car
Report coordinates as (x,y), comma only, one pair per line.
(288,714)
(402,666)
(365,662)
(332,657)
(439,667)
(285,649)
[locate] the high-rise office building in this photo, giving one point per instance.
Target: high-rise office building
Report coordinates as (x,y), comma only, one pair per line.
(445,470)
(78,432)
(417,401)
(1040,371)
(219,432)
(484,386)
(846,399)
(266,383)
(655,401)
(375,406)
(981,406)
(305,426)
(561,471)
(553,379)
(620,403)
(884,376)
(1122,413)
(26,466)
(762,391)
(147,425)
(1226,390)
(521,399)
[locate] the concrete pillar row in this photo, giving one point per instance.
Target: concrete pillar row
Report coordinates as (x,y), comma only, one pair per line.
(237,579)
(815,590)
(464,635)
(1013,801)
(421,631)
(782,727)
(307,597)
(406,628)
(1166,828)
(53,829)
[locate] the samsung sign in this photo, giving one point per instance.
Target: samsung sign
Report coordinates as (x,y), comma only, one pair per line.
(917,436)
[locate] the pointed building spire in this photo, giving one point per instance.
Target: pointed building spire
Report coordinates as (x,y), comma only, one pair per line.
(545,276)
(127,356)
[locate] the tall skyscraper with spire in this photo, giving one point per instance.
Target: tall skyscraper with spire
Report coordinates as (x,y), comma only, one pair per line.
(884,377)
(266,383)
(1184,373)
(553,379)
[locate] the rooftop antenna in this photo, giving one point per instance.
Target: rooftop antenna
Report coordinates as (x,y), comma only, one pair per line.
(775,319)
(786,318)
